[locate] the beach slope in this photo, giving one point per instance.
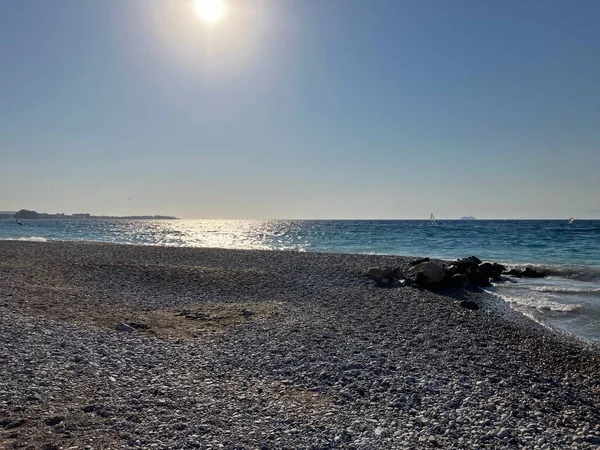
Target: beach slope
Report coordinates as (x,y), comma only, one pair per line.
(267,349)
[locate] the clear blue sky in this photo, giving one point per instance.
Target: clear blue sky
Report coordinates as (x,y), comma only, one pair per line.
(301,108)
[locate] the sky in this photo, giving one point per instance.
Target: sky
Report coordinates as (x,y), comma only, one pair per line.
(301,109)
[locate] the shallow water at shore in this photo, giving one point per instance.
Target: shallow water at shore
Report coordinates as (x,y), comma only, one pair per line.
(568,300)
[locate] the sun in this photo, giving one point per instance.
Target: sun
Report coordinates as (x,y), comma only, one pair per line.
(209,10)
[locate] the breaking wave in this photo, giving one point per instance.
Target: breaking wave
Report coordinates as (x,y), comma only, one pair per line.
(536,302)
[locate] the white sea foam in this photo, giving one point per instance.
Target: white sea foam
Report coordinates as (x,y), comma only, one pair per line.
(540,303)
(566,290)
(28,238)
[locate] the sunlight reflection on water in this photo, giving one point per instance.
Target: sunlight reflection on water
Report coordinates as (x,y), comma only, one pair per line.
(240,234)
(551,242)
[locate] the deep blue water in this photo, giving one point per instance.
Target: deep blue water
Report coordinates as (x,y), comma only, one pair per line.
(569,300)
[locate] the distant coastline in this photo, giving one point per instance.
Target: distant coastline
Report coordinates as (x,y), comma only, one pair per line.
(468,218)
(34,215)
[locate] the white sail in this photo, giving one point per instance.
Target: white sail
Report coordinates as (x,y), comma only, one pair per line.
(571,220)
(432,218)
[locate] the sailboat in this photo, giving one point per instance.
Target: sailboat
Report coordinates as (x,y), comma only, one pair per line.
(432,218)
(18,221)
(571,220)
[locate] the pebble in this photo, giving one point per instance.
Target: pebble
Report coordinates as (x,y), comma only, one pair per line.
(341,363)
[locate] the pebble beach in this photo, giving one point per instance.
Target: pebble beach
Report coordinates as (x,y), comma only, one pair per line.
(123,346)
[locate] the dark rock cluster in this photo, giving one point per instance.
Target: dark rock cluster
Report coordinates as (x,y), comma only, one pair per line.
(463,273)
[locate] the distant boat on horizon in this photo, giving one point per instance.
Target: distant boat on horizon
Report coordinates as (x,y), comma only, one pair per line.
(571,220)
(432,218)
(18,221)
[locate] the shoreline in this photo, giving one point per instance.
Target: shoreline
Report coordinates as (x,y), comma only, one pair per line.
(503,307)
(248,345)
(511,263)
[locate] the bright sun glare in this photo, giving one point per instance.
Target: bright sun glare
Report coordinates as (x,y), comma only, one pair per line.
(209,10)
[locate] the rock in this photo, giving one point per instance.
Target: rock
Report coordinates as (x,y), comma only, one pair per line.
(489,270)
(499,267)
(386,276)
(469,304)
(138,326)
(50,447)
(503,433)
(347,395)
(384,282)
(398,273)
(429,272)
(9,424)
(501,279)
(51,421)
(416,262)
(477,278)
(514,272)
(459,280)
(383,276)
(380,272)
(473,259)
(122,326)
(414,400)
(595,440)
(463,265)
(247,313)
(433,441)
(530,272)
(398,402)
(91,408)
(452,269)
(378,431)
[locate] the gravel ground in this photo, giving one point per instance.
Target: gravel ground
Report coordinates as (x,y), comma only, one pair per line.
(271,350)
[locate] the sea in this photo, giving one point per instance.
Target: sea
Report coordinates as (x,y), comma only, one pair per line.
(567,301)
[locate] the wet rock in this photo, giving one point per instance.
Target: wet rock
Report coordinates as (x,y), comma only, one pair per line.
(489,270)
(477,278)
(464,265)
(530,272)
(472,259)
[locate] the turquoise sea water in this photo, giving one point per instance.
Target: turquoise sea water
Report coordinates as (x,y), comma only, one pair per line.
(569,300)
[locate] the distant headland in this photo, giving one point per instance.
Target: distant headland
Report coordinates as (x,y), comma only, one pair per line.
(26,214)
(467,218)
